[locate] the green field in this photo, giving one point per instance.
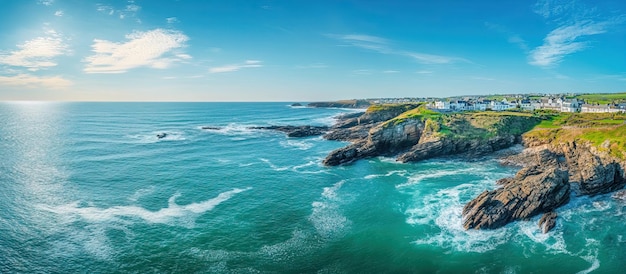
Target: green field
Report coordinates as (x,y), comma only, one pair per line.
(603,98)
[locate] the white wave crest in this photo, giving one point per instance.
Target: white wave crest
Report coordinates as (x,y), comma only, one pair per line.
(120,213)
(390,173)
(301,145)
(432,173)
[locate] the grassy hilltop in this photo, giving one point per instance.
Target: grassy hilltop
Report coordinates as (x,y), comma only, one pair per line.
(605,131)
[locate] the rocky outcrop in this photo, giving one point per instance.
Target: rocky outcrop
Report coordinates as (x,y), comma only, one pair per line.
(297,131)
(533,190)
(384,139)
(341,104)
(436,146)
(589,172)
(547,221)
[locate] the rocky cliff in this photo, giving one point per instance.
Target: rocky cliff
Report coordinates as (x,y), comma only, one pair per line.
(418,134)
(341,104)
(584,157)
(552,170)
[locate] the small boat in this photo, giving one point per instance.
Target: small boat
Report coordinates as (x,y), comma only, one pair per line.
(161,135)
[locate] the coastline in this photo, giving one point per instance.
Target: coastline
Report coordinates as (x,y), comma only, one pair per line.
(549,173)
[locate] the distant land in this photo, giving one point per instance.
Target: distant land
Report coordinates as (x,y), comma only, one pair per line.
(573,144)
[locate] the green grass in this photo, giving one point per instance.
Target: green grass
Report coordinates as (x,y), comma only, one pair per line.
(597,128)
(615,137)
(603,98)
(391,107)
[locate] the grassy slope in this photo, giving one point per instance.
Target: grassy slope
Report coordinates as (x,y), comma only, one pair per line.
(606,131)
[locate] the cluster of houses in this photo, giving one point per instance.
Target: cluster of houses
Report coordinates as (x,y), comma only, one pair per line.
(547,103)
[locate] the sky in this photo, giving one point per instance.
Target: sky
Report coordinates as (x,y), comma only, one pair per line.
(297,50)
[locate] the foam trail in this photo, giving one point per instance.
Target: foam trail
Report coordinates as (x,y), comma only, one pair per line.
(300,145)
(273,166)
(420,177)
(164,215)
(390,173)
(326,216)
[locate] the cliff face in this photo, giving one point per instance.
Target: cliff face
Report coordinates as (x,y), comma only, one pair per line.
(381,140)
(582,156)
(553,170)
(419,134)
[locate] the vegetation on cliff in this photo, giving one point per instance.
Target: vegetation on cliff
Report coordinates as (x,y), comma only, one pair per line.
(604,131)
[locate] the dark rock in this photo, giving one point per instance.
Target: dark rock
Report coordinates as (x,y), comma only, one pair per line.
(297,131)
(547,221)
(341,104)
(532,191)
(211,128)
(383,139)
(161,135)
(296,105)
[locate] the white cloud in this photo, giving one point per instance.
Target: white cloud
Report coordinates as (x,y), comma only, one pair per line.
(236,67)
(58,13)
(31,81)
(563,41)
(424,72)
(37,53)
(143,49)
(46,2)
(381,45)
(133,8)
(391,71)
(424,58)
(171,20)
(106,9)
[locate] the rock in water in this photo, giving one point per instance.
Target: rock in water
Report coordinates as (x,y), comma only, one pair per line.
(547,221)
(532,191)
(161,135)
(297,131)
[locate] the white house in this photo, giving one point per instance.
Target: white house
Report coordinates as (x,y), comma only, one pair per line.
(570,105)
(442,105)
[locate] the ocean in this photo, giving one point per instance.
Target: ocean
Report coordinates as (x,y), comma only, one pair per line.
(89,188)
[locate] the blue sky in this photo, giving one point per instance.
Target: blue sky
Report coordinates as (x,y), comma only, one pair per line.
(189,50)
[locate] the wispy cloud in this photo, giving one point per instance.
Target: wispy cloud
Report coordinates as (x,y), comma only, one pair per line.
(105,9)
(37,53)
(382,45)
(128,11)
(424,72)
(154,49)
(512,37)
(58,13)
(575,23)
(236,67)
(171,20)
(563,41)
(46,2)
(132,8)
(391,71)
(31,81)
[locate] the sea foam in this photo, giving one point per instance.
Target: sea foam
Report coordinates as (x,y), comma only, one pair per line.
(122,213)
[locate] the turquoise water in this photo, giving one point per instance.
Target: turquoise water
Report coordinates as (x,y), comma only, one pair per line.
(87,187)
